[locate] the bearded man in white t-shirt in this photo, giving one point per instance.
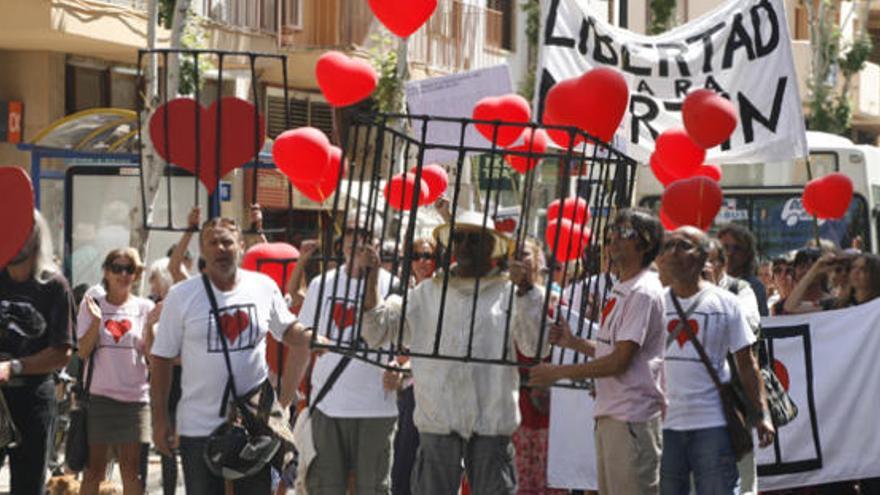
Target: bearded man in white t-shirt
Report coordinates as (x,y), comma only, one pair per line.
(249,305)
(695,436)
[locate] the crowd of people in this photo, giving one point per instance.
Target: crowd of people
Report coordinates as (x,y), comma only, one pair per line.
(671,310)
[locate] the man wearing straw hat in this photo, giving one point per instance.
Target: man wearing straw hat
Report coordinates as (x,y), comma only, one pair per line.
(465,411)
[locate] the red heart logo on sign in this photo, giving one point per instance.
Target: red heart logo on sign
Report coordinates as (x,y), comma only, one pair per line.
(237,145)
(234,324)
(608,307)
(682,337)
(117,328)
(507,108)
(343,316)
(16,211)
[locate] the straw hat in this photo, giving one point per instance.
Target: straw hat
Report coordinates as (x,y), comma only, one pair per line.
(472,221)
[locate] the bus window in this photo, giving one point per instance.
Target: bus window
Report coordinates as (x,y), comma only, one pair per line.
(780,223)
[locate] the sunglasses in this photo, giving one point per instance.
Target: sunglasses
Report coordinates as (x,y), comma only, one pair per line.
(680,244)
(622,232)
(117,269)
(422,256)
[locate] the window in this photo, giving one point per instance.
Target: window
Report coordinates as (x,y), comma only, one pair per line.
(500,24)
(305,110)
(292,13)
(85,87)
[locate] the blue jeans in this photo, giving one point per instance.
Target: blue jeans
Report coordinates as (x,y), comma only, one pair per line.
(707,454)
(199,480)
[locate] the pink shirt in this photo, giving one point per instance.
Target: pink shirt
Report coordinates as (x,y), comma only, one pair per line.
(633,312)
(120,370)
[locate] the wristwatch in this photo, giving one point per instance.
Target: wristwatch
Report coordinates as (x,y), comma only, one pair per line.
(16,367)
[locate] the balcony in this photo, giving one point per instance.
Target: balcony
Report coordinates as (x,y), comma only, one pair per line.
(326,23)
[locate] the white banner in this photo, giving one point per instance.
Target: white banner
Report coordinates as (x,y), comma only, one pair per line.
(830,362)
(742,50)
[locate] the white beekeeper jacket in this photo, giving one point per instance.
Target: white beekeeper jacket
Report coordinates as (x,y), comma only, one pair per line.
(451,396)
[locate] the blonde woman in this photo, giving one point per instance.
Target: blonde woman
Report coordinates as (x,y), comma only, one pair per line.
(112,333)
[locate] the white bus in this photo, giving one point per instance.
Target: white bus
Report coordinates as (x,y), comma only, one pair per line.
(766,197)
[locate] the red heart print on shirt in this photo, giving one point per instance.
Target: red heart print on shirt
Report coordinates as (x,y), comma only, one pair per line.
(682,337)
(609,305)
(117,328)
(342,316)
(234,324)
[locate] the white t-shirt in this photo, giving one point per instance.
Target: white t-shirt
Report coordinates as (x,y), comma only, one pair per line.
(595,287)
(721,327)
(358,392)
(186,328)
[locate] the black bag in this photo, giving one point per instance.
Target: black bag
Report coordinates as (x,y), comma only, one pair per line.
(76,448)
(733,399)
(256,433)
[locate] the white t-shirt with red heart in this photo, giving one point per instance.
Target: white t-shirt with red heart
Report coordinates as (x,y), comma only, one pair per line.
(187,329)
(721,326)
(358,392)
(120,370)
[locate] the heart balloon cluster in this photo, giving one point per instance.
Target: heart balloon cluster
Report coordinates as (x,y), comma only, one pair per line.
(400,190)
(692,195)
(514,109)
(309,161)
(567,234)
(828,197)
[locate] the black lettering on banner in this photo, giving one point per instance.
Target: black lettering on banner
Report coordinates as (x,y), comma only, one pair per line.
(644,88)
(708,50)
(627,50)
(547,82)
(682,86)
(677,50)
(748,113)
(636,119)
(672,105)
(738,38)
(583,36)
(601,44)
(712,84)
(763,49)
(549,39)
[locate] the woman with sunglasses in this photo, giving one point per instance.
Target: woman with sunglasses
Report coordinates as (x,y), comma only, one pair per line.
(113,334)
(782,281)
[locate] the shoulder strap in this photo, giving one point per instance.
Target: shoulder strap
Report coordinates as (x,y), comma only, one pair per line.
(91,364)
(215,311)
(682,318)
(697,345)
(331,380)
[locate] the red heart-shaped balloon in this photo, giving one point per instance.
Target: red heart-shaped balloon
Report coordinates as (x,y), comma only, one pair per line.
(237,146)
(321,189)
(275,259)
(595,103)
(660,173)
(436,178)
(573,239)
(400,190)
(666,222)
(302,154)
(534,142)
(344,80)
(16,211)
(403,17)
(708,117)
(678,154)
(507,108)
(574,209)
(828,197)
(711,171)
(694,201)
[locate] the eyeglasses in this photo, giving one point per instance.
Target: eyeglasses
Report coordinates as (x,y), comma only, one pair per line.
(422,256)
(680,244)
(622,231)
(117,269)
